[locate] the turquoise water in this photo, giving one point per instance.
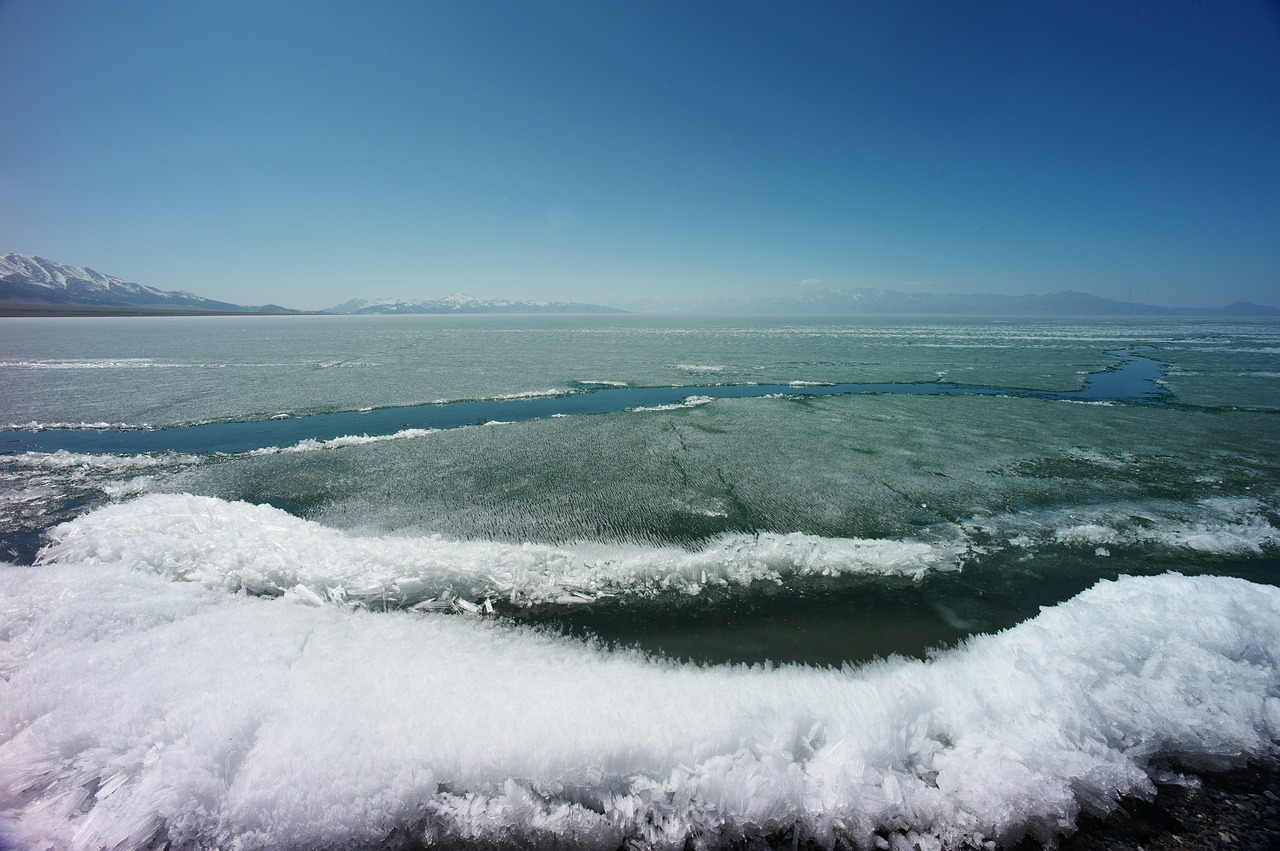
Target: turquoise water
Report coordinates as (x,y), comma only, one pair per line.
(673,498)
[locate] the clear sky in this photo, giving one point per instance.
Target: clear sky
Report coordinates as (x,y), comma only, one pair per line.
(308,152)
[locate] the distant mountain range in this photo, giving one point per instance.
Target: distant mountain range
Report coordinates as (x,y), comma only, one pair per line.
(46,286)
(874,301)
(460,303)
(35,285)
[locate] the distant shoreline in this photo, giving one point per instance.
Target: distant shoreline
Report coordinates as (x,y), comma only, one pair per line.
(19,309)
(36,310)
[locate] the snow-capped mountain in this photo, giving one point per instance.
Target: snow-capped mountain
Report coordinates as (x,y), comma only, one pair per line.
(35,280)
(356,305)
(463,303)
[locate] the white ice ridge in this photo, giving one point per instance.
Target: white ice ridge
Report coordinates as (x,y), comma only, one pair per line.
(63,460)
(136,711)
(534,394)
(313,445)
(687,402)
(264,550)
(34,425)
(121,363)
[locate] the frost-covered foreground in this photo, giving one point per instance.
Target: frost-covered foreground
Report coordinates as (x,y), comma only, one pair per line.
(134,707)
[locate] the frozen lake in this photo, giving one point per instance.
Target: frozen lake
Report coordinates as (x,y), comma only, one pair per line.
(606,580)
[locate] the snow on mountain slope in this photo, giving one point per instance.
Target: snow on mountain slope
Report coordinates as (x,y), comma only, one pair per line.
(38,271)
(29,279)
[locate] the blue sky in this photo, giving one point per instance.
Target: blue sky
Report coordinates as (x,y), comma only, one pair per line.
(308,152)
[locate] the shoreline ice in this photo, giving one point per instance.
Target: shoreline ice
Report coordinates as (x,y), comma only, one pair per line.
(138,709)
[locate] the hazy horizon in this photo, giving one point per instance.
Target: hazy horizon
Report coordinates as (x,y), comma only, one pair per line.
(743,305)
(306,154)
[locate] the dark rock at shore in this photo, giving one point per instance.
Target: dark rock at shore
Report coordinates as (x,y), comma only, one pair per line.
(1237,809)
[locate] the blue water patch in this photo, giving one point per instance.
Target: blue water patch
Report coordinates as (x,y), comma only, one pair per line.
(1131,381)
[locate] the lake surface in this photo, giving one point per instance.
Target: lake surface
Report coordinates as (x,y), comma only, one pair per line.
(607,580)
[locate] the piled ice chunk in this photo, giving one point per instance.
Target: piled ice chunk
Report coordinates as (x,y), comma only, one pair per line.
(134,708)
(263,550)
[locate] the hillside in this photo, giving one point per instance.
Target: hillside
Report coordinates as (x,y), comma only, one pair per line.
(30,284)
